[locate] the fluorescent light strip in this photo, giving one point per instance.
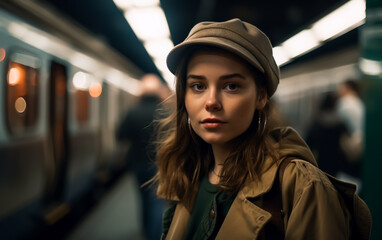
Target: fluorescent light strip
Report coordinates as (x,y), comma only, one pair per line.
(280,55)
(370,67)
(345,18)
(159,47)
(148,23)
(161,63)
(300,43)
(126,4)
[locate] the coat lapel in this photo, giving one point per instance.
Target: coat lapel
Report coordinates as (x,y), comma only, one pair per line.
(243,221)
(179,223)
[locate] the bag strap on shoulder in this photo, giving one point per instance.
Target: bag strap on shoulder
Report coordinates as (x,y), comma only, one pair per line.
(272,202)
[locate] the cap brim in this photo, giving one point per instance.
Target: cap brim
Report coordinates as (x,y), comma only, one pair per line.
(177,53)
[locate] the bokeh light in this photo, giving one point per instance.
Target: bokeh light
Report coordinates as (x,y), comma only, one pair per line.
(95,89)
(20,105)
(13,76)
(2,54)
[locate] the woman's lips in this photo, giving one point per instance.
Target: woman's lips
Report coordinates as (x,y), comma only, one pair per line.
(212,123)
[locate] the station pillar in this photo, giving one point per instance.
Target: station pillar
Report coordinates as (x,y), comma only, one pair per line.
(371,67)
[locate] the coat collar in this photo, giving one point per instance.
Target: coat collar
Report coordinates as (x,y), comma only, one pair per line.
(243,221)
(253,188)
(243,214)
(263,183)
(288,143)
(179,223)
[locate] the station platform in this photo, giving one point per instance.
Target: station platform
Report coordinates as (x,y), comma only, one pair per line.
(115,217)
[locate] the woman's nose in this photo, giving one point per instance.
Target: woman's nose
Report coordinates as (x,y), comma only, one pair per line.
(213,103)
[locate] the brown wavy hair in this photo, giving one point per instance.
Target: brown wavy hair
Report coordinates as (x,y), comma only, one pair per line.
(183,158)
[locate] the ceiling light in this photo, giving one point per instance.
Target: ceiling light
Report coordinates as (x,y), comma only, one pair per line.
(280,55)
(169,78)
(148,23)
(145,3)
(300,43)
(370,67)
(345,18)
(161,63)
(126,4)
(159,47)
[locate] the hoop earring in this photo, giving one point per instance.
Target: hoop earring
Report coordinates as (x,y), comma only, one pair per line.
(259,121)
(189,124)
(264,124)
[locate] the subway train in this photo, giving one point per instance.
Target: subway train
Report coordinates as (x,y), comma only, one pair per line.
(62,95)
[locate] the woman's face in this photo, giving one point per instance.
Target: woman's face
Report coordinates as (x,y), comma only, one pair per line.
(221,96)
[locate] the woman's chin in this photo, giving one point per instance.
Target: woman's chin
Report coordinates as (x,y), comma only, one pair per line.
(215,141)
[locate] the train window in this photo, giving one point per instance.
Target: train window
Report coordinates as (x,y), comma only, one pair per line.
(22,93)
(82,106)
(81,82)
(58,126)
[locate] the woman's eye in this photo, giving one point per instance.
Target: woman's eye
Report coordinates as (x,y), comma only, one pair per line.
(197,86)
(231,86)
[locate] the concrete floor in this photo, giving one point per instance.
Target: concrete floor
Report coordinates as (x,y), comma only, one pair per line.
(116,216)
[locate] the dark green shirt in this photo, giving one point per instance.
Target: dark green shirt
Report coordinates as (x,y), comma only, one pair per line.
(210,209)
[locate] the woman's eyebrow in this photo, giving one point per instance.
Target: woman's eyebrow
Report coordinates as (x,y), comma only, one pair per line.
(196,77)
(233,75)
(228,76)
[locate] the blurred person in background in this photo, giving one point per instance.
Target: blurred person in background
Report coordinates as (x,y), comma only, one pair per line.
(222,159)
(137,128)
(351,110)
(325,134)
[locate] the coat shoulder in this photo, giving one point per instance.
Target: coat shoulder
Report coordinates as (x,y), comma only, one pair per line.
(304,174)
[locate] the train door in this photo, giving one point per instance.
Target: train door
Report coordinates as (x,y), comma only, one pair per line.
(58,127)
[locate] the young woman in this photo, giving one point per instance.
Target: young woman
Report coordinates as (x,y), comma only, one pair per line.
(219,153)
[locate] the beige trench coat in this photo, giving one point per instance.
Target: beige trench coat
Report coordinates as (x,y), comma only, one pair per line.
(313,208)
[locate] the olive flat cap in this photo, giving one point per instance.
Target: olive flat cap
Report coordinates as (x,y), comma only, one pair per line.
(236,36)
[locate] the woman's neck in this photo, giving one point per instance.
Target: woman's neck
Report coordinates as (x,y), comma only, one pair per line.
(220,153)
